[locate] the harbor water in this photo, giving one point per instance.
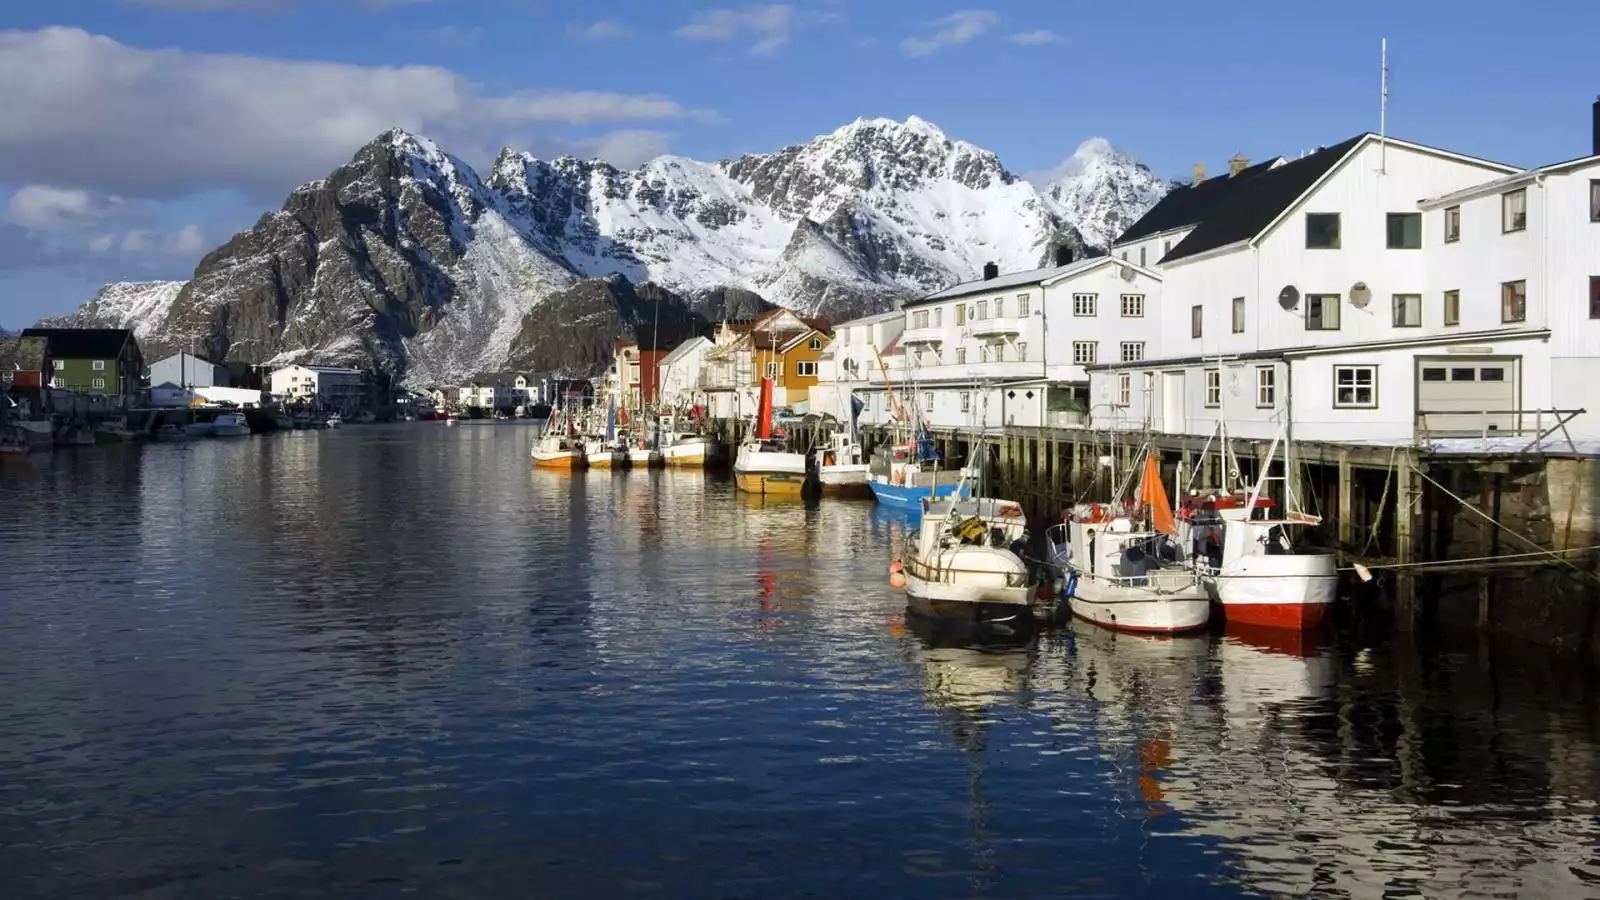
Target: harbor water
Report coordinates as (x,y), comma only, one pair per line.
(393,661)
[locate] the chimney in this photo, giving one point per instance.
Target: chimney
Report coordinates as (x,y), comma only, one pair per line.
(1199,172)
(1597,126)
(1063,255)
(990,271)
(1238,164)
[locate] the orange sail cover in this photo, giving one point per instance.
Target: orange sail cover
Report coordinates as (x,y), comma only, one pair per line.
(1154,494)
(764,410)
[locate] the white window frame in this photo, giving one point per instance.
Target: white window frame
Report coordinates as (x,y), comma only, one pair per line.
(1124,388)
(1266,387)
(98,384)
(1197,321)
(961,356)
(1348,377)
(999,307)
(1213,388)
(961,314)
(1131,351)
(1322,311)
(1407,217)
(1085,353)
(816,343)
(983,310)
(98,365)
(919,319)
(1083,305)
(1132,306)
(805,368)
(1022,351)
(927,400)
(1514,211)
(1022,305)
(1452,224)
(966,401)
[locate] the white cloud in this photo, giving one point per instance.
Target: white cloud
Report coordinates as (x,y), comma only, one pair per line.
(43,207)
(948,31)
(603,30)
(627,149)
(189,239)
(85,111)
(772,26)
(1037,36)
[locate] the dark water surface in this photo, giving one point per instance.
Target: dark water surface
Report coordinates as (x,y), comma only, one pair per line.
(392,661)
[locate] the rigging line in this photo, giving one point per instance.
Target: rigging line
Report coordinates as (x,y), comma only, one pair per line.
(1383,501)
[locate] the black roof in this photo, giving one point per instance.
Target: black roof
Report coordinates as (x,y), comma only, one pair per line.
(1253,204)
(1190,203)
(82,343)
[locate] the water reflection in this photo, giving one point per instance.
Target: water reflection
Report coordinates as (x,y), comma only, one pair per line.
(392,661)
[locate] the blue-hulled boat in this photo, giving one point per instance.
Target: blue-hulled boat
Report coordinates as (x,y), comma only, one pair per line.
(904,474)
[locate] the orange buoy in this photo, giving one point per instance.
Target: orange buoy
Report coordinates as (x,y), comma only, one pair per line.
(895,567)
(897,580)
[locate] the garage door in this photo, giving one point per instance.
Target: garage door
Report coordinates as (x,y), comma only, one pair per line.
(1467,395)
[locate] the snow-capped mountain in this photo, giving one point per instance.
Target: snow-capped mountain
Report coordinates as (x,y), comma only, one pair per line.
(1102,191)
(405,259)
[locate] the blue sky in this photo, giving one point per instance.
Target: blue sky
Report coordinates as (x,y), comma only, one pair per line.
(142,133)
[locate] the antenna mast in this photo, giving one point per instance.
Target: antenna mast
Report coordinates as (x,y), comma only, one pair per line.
(1383,113)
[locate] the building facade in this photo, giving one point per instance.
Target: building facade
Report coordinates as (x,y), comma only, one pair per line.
(679,373)
(104,362)
(774,344)
(186,369)
(330,387)
(497,391)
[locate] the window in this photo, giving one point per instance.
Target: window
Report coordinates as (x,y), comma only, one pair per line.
(961,314)
(1452,307)
(983,310)
(1166,247)
(1405,231)
(1022,305)
(816,343)
(58,364)
(999,307)
(966,402)
(1452,224)
(98,384)
(1149,380)
(1594,296)
(1464,374)
(1133,306)
(919,319)
(1085,353)
(1141,256)
(961,356)
(1514,301)
(983,353)
(1322,231)
(1266,387)
(1408,310)
(1433,374)
(1132,351)
(1322,312)
(1355,387)
(99,365)
(1495,374)
(1514,211)
(1213,388)
(1124,388)
(1197,316)
(1594,200)
(805,369)
(1022,351)
(1238,315)
(772,370)
(1083,304)
(1124,256)
(927,401)
(938,318)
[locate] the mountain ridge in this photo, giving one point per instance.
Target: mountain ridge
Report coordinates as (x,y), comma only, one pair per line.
(406,260)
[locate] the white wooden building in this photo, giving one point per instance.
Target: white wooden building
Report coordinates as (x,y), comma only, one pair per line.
(1327,291)
(324,385)
(854,363)
(680,373)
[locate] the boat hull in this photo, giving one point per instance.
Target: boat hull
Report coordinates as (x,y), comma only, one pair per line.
(606,459)
(908,498)
(1123,608)
(1291,591)
(231,431)
(692,455)
(980,614)
(561,460)
(845,481)
(770,484)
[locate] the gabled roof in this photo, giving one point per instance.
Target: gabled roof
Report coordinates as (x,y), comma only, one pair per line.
(82,343)
(684,349)
(869,320)
(196,357)
(821,335)
(1000,283)
(1087,265)
(1255,203)
(1190,204)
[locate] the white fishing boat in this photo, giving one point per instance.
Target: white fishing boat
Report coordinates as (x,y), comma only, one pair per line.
(39,433)
(603,454)
(230,424)
(334,420)
(962,563)
(1121,566)
(766,465)
(1242,546)
(559,447)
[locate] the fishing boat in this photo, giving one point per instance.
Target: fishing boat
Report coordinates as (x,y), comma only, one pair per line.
(604,450)
(840,468)
(334,420)
(230,424)
(687,444)
(171,433)
(364,417)
(560,446)
(766,465)
(962,564)
(75,435)
(1121,566)
(113,429)
(1246,557)
(903,475)
(199,428)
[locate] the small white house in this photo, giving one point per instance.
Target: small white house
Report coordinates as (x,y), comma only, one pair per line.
(496,391)
(327,386)
(680,372)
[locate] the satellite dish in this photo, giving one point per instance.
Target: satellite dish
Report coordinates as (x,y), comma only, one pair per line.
(1360,295)
(1289,297)
(1126,272)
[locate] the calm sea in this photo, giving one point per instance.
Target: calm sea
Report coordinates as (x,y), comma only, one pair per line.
(393,661)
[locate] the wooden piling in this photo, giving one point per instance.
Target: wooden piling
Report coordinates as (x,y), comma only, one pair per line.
(1406,611)
(1346,523)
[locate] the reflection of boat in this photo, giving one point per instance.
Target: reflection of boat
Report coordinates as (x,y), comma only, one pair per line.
(1125,575)
(12,443)
(960,564)
(75,436)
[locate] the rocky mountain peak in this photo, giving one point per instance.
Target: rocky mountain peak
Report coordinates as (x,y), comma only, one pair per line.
(1103,190)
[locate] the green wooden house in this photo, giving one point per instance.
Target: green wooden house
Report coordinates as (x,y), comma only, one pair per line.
(90,360)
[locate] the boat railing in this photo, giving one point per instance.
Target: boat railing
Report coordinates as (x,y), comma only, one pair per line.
(1170,580)
(936,573)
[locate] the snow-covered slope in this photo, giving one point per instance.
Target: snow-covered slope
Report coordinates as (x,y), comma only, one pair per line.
(1101,191)
(139,305)
(405,259)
